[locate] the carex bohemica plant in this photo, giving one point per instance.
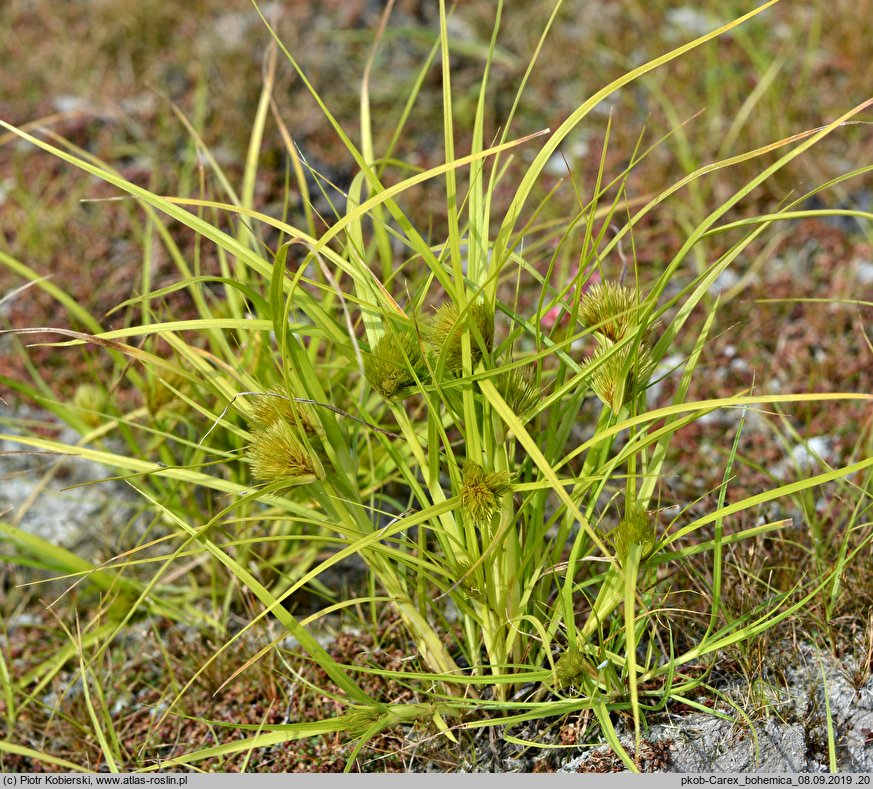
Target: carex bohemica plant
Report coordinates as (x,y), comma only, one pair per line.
(475,462)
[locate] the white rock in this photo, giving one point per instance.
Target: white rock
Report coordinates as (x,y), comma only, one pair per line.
(689,21)
(865,272)
(807,455)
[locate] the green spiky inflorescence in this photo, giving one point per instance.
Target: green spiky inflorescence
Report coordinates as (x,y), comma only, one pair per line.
(467,581)
(481,492)
(569,669)
(614,313)
(447,329)
(92,400)
(361,719)
(518,388)
(615,379)
(158,395)
(612,310)
(274,406)
(637,528)
(389,368)
(277,453)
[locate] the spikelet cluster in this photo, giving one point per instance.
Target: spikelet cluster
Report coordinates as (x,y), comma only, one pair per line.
(360,720)
(274,406)
(614,313)
(569,669)
(637,528)
(158,395)
(446,331)
(389,367)
(616,377)
(611,310)
(467,581)
(481,492)
(277,453)
(521,393)
(397,359)
(90,398)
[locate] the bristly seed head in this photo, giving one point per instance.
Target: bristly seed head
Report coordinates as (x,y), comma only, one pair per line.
(612,310)
(481,492)
(447,330)
(518,388)
(569,669)
(274,406)
(276,453)
(615,378)
(389,368)
(466,580)
(158,395)
(637,528)
(92,400)
(360,719)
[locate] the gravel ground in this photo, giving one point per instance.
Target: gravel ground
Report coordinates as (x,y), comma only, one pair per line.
(788,735)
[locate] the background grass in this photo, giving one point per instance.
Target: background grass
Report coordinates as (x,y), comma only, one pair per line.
(780,74)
